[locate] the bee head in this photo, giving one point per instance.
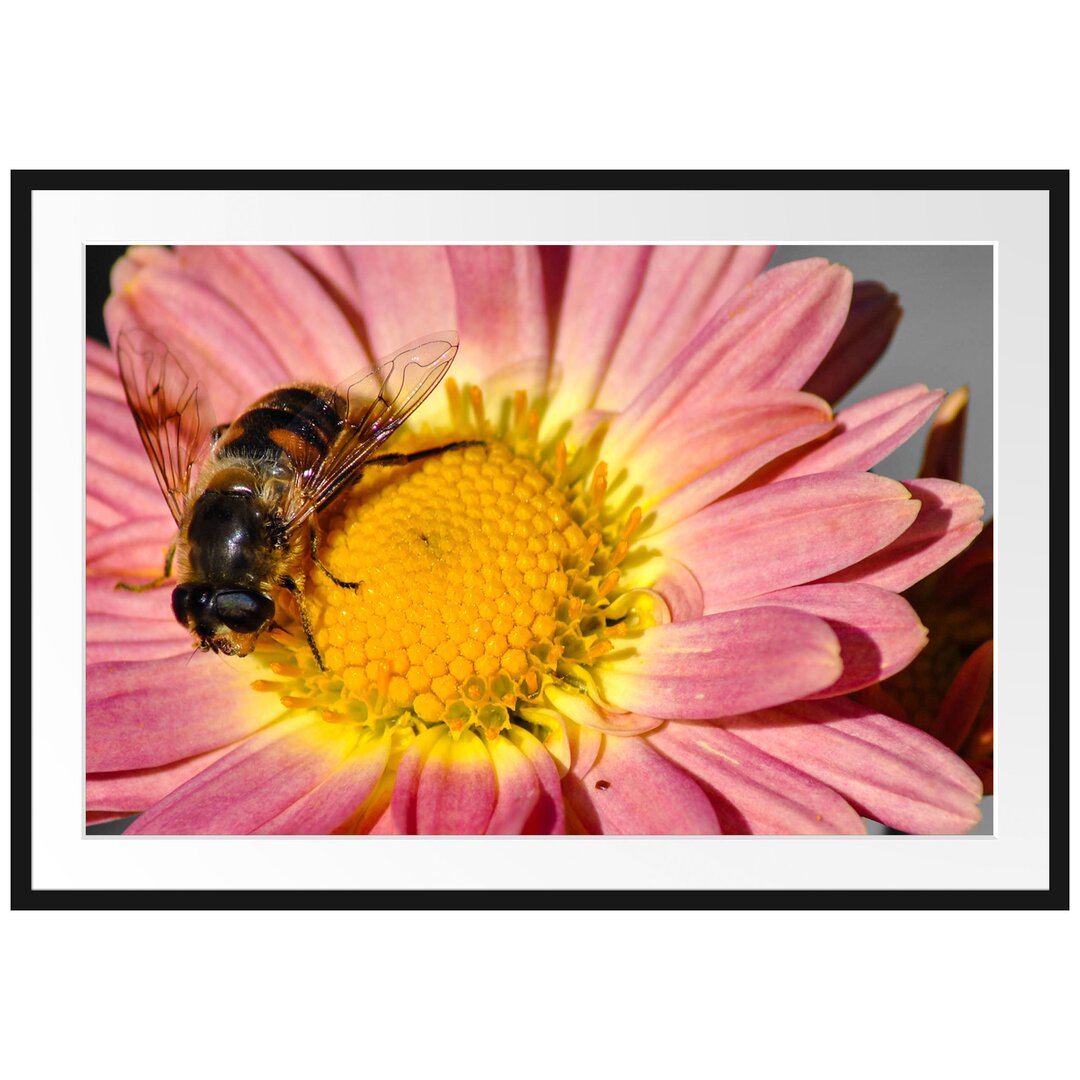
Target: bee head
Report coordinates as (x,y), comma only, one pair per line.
(224,620)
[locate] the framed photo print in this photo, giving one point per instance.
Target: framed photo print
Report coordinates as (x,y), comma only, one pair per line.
(682,536)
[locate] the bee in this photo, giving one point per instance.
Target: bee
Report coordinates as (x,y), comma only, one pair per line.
(246,495)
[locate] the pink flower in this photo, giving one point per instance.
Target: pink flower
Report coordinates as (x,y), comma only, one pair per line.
(641,607)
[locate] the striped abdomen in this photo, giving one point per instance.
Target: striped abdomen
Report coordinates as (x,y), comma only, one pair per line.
(297,423)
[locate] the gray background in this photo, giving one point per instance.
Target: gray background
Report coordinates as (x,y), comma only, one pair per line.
(945,338)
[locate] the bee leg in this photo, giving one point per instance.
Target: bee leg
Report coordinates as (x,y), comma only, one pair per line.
(290,584)
(318,562)
(157,582)
(419,455)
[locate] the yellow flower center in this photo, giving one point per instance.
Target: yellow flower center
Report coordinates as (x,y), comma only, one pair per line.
(487,574)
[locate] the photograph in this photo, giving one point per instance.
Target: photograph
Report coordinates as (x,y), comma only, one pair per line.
(663,539)
(552,539)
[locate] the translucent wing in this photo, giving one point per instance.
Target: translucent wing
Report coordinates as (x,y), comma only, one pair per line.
(370,407)
(172,415)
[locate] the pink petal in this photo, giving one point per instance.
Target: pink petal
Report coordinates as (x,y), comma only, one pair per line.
(582,710)
(585,745)
(716,665)
(330,265)
(120,483)
(751,791)
(133,550)
(138,258)
(769,336)
(257,781)
(788,533)
(402,293)
(693,489)
(633,791)
(555,264)
(146,608)
(966,696)
(456,792)
(501,316)
(100,817)
(407,784)
(710,434)
(102,374)
(684,287)
(867,433)
(551,735)
(879,632)
(887,770)
(720,481)
(548,817)
(132,792)
(602,286)
(944,454)
(112,440)
(383,825)
(286,304)
(679,588)
(871,322)
(327,805)
(140,714)
(126,626)
(223,350)
(114,498)
(627,310)
(518,788)
(376,815)
(950,517)
(493,296)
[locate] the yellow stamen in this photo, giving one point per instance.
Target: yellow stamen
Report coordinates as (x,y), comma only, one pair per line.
(609,583)
(560,460)
(521,406)
(600,481)
(488,573)
(453,399)
(476,399)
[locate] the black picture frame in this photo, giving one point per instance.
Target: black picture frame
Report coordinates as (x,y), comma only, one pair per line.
(24,896)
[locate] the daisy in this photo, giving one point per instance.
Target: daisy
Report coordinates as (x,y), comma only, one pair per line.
(642,605)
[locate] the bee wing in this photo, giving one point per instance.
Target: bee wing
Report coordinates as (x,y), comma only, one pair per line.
(371,406)
(171,412)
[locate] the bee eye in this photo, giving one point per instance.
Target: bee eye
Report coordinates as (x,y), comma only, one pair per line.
(179,603)
(243,611)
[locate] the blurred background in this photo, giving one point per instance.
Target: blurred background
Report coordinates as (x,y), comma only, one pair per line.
(945,339)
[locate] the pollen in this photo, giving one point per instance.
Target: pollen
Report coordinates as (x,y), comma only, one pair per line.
(486,573)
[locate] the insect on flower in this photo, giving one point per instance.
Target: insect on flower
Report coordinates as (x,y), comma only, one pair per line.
(246,495)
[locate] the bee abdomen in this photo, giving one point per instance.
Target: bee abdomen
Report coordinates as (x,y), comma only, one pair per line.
(297,422)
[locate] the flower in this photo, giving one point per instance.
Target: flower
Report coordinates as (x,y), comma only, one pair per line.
(947,689)
(642,606)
